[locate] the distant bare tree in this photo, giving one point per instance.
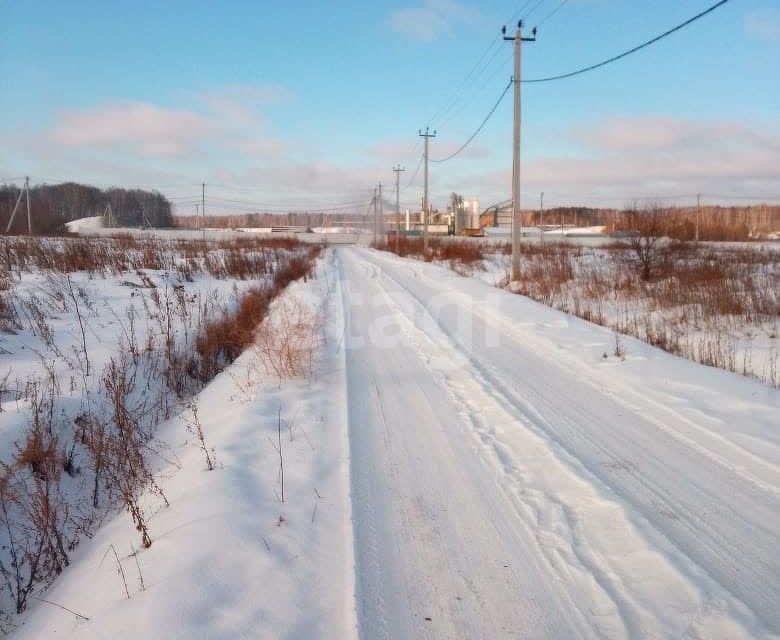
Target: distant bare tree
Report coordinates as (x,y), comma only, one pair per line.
(647,227)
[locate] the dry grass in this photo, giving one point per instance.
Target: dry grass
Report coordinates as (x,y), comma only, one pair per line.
(696,301)
(287,342)
(461,253)
(108,452)
(242,259)
(223,339)
(699,301)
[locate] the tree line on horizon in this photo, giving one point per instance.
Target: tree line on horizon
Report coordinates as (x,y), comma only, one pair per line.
(716,222)
(51,206)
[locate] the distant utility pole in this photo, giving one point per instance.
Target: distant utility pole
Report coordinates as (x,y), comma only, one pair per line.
(25,190)
(203,208)
(29,218)
(373,204)
(426,203)
(397,168)
(381,215)
(698,214)
(517,221)
(109,216)
(541,218)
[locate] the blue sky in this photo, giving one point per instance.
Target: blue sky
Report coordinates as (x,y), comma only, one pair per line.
(312,103)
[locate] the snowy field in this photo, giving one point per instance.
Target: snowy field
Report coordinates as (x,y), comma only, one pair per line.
(446,460)
(714,303)
(104,348)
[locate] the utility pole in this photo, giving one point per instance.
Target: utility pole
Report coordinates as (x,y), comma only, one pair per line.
(517,221)
(381,218)
(203,208)
(108,216)
(541,218)
(373,204)
(397,168)
(24,190)
(426,203)
(13,213)
(29,218)
(698,214)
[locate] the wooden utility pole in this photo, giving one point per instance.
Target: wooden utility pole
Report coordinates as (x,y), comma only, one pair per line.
(541,218)
(108,215)
(16,206)
(381,215)
(517,222)
(29,217)
(698,214)
(373,204)
(203,208)
(426,204)
(397,170)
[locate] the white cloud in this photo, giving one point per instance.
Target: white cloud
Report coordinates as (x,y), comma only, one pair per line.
(230,117)
(763,23)
(615,160)
(431,20)
(154,130)
(659,133)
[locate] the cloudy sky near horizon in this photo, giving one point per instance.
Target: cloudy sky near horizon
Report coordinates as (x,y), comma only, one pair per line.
(275,104)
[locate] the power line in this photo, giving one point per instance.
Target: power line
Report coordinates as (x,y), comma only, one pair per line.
(484,122)
(268,204)
(519,12)
(532,9)
(457,95)
(552,13)
(630,51)
(414,175)
(477,91)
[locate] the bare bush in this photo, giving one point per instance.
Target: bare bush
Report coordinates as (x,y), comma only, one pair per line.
(126,464)
(33,511)
(287,340)
(647,227)
(196,429)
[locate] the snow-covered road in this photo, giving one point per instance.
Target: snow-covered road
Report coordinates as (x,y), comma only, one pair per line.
(512,479)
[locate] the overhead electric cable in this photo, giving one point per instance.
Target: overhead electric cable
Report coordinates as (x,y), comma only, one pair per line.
(519,12)
(414,175)
(459,91)
(476,133)
(552,13)
(630,51)
(476,71)
(532,9)
(478,91)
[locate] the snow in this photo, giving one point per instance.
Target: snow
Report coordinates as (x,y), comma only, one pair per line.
(464,463)
(748,347)
(508,481)
(85,225)
(229,559)
(577,231)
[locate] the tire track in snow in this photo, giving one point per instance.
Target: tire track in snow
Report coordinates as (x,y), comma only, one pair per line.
(456,562)
(662,504)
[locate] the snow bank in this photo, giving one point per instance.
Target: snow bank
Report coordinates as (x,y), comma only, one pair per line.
(229,558)
(85,225)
